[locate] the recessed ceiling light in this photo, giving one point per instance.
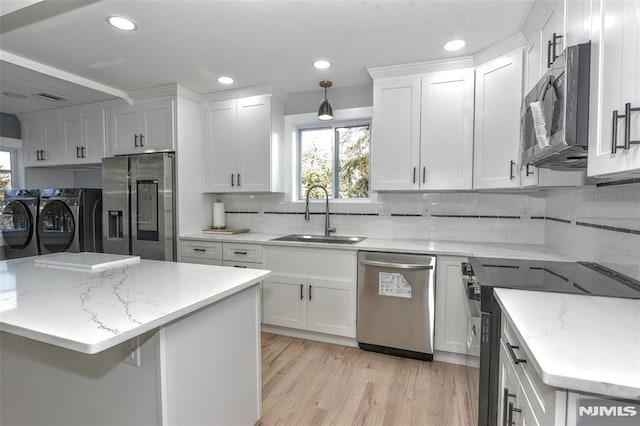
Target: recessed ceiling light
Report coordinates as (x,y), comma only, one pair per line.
(322,64)
(454,45)
(225,80)
(122,23)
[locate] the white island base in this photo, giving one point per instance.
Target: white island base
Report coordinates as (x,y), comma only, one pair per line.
(201,369)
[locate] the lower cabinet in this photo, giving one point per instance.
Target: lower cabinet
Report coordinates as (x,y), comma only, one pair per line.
(238,255)
(310,289)
(452,311)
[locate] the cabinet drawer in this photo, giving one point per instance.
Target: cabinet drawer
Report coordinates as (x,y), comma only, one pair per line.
(201,249)
(236,264)
(201,260)
(242,252)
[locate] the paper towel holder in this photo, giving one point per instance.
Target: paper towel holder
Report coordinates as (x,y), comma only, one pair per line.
(218,218)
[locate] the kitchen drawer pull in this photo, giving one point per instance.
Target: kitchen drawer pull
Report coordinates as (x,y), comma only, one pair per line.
(512,409)
(200,250)
(239,266)
(135,140)
(505,401)
(240,252)
(414,266)
(627,126)
(301,291)
(141,140)
(512,352)
(511,164)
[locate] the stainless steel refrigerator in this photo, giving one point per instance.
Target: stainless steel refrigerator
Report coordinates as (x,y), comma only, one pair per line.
(138,203)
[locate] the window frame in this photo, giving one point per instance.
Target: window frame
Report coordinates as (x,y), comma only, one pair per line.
(334,126)
(13,147)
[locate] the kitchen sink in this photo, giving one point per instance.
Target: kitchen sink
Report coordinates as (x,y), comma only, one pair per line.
(332,239)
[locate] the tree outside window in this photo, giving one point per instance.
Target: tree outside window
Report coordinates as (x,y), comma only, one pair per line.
(5,170)
(336,158)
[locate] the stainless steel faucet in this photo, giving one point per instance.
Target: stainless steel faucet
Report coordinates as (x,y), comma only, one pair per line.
(327,228)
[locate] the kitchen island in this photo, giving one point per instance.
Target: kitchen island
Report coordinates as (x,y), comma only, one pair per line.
(147,343)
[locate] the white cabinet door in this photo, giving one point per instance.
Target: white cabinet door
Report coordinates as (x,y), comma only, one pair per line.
(123,131)
(452,311)
(93,136)
(497,122)
(72,137)
(284,301)
(220,152)
(577,28)
(551,46)
(446,148)
(54,149)
(395,141)
(33,140)
(254,144)
(332,306)
(157,126)
(615,82)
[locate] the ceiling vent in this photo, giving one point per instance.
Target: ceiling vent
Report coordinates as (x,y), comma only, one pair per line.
(49,97)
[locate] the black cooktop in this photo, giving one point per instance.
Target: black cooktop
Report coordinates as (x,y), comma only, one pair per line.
(562,277)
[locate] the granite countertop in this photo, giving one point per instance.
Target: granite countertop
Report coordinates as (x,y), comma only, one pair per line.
(437,247)
(581,343)
(90,311)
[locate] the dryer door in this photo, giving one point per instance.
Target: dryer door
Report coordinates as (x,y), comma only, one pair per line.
(56,227)
(17,225)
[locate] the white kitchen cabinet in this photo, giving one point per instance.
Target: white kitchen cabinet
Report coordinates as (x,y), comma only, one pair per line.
(42,138)
(452,312)
(84,136)
(615,83)
(33,141)
(395,139)
(423,131)
(497,122)
(240,255)
(242,144)
(304,293)
(146,126)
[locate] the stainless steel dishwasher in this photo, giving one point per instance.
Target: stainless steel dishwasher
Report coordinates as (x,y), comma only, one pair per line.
(396,303)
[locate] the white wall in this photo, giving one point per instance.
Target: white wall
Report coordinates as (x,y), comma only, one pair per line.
(78,177)
(612,206)
(339,98)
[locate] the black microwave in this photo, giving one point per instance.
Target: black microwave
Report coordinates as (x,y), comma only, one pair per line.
(554,122)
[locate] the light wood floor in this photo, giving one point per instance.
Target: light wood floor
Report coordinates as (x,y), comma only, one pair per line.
(312,383)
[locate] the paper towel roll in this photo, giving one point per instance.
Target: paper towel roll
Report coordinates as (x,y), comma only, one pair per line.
(218,215)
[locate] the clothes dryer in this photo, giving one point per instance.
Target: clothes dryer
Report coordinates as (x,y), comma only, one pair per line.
(18,223)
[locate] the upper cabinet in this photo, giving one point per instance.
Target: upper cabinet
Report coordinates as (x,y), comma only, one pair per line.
(423,131)
(64,137)
(497,122)
(614,138)
(242,138)
(143,127)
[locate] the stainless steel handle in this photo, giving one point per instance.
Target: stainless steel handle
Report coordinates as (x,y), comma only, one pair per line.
(199,249)
(82,150)
(514,357)
(232,177)
(512,410)
(141,140)
(310,296)
(135,140)
(414,175)
(627,126)
(37,155)
(511,164)
(549,61)
(301,291)
(554,55)
(424,174)
(238,179)
(42,156)
(239,266)
(412,266)
(505,403)
(527,171)
(78,152)
(614,131)
(240,252)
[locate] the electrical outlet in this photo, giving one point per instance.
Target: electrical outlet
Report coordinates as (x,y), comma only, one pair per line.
(426,212)
(384,211)
(525,214)
(133,354)
(260,211)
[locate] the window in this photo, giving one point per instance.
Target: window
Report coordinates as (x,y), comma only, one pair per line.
(5,170)
(336,158)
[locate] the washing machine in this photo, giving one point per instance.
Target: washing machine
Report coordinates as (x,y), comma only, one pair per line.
(70,219)
(18,223)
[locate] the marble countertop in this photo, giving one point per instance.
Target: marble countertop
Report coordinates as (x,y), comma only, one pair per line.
(93,311)
(452,248)
(581,343)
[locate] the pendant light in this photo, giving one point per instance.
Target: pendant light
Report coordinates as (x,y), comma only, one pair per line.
(325,112)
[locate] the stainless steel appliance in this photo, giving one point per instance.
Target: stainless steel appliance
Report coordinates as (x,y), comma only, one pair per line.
(69,220)
(139,205)
(396,304)
(484,274)
(18,223)
(555,114)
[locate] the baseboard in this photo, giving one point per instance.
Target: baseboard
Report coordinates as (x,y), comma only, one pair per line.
(459,359)
(310,335)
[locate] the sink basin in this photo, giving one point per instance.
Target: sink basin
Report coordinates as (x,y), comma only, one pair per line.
(333,239)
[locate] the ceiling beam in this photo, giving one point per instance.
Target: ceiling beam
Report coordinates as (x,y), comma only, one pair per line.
(63,75)
(16,14)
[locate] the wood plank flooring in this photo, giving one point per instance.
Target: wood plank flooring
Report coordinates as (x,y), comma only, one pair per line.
(313,383)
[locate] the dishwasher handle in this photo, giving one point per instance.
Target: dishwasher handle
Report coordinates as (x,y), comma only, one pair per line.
(412,266)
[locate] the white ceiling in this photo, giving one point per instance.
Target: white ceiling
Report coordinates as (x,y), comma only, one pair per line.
(192,42)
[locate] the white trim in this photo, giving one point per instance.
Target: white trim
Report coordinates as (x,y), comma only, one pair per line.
(63,75)
(17,169)
(264,89)
(310,335)
(10,143)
